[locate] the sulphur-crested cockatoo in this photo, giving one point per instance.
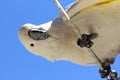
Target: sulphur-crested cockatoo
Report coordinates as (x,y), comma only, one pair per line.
(57,39)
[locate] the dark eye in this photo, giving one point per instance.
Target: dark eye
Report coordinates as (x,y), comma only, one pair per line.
(38,34)
(32,44)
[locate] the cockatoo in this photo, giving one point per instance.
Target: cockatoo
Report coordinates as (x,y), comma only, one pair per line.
(57,39)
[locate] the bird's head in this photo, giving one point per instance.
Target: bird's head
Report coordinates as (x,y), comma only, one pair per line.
(35,38)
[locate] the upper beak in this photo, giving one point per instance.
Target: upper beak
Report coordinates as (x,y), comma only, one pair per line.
(38,34)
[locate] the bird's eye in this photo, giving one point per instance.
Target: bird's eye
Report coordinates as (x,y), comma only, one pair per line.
(38,34)
(32,44)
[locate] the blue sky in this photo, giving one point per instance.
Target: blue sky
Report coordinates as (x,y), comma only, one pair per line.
(16,63)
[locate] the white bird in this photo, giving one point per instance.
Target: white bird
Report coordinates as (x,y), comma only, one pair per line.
(57,39)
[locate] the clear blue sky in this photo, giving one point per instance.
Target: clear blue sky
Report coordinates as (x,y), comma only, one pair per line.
(16,63)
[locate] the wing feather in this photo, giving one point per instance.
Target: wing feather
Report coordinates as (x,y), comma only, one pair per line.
(82,4)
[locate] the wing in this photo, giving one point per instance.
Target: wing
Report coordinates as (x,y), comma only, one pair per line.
(82,4)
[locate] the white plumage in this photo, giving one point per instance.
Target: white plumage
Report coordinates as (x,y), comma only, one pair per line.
(100,16)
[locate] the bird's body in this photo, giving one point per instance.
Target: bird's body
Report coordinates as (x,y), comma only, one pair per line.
(99,16)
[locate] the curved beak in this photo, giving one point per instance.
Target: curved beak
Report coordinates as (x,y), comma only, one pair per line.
(35,32)
(38,34)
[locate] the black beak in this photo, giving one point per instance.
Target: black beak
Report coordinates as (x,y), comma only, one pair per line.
(37,34)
